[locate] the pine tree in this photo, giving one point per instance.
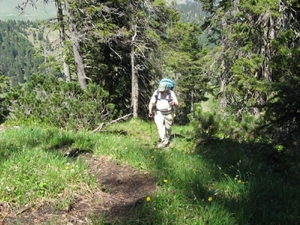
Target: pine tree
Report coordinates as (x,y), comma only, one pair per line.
(255,63)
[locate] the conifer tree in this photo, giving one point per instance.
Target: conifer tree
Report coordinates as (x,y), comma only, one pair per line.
(255,60)
(127,46)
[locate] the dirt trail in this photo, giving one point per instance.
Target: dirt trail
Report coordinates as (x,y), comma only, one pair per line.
(122,190)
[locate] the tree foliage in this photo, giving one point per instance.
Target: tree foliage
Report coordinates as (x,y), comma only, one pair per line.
(105,32)
(255,68)
(101,35)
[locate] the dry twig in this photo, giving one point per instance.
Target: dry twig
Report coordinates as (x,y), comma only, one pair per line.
(99,128)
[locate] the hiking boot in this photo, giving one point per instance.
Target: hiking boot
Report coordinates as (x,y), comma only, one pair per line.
(166,142)
(163,144)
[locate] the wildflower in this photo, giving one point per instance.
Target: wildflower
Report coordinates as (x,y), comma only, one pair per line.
(210,199)
(165,180)
(148,199)
(152,157)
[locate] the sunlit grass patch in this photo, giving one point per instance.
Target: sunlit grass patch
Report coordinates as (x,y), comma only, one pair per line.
(33,173)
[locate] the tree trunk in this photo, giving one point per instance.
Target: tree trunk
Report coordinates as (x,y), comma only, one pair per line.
(76,48)
(66,69)
(134,79)
(266,50)
(62,37)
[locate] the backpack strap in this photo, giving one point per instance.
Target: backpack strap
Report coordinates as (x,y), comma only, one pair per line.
(158,94)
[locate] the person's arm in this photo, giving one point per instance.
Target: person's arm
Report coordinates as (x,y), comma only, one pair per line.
(150,109)
(174,101)
(151,105)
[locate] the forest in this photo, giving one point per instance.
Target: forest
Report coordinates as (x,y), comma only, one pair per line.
(235,65)
(236,57)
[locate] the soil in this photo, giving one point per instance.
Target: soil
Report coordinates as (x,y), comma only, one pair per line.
(121,190)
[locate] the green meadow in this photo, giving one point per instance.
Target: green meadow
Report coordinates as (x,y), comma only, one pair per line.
(221,181)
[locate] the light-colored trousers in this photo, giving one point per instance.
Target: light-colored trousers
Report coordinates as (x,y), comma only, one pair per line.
(164,124)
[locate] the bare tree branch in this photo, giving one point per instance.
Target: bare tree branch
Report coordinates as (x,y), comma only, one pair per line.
(99,128)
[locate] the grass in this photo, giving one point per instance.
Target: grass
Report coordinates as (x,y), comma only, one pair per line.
(221,182)
(30,172)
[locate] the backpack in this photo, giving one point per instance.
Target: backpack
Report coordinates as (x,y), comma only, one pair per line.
(170,83)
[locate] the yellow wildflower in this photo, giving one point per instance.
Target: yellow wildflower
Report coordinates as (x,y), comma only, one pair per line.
(165,180)
(148,199)
(210,199)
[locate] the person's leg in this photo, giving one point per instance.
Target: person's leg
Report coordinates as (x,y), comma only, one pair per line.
(168,128)
(159,121)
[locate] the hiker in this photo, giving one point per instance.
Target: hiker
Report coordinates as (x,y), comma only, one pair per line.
(163,102)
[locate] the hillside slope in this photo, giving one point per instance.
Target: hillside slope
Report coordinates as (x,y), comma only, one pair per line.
(9,11)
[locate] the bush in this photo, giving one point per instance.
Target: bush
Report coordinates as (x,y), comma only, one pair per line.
(49,101)
(209,121)
(205,123)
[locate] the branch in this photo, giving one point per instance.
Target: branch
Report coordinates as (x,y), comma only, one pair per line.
(134,29)
(99,128)
(114,51)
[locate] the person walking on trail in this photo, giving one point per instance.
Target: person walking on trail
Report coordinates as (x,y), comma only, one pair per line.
(162,105)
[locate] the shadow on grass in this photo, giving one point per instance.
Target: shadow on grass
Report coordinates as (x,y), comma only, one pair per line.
(116,132)
(264,181)
(252,183)
(7,149)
